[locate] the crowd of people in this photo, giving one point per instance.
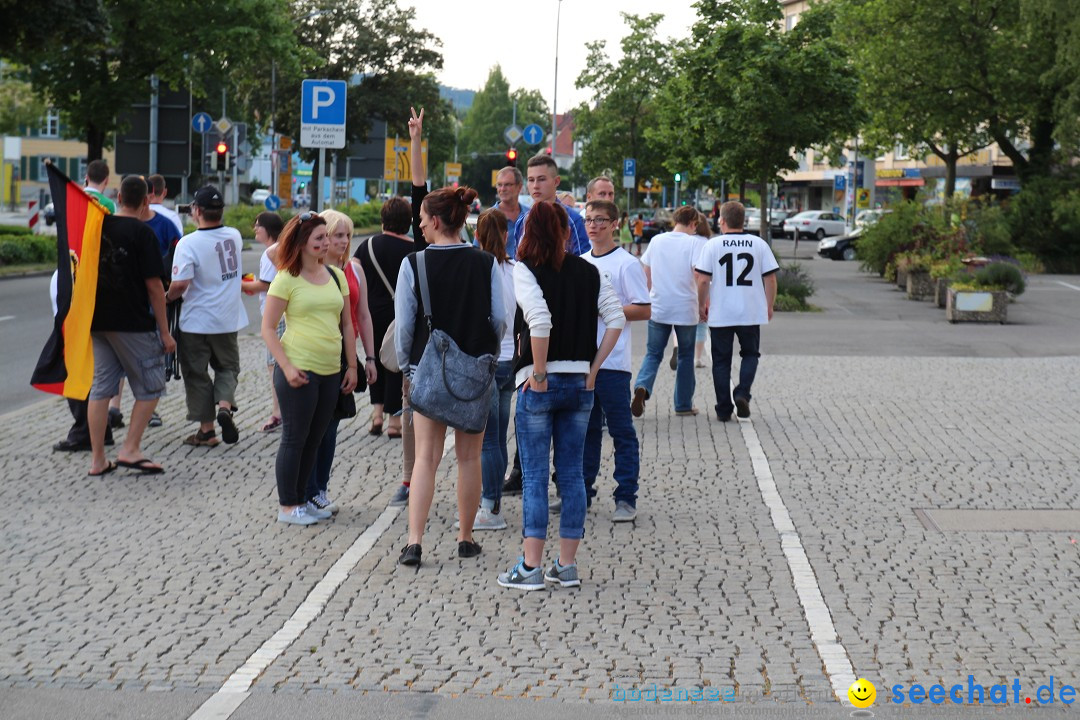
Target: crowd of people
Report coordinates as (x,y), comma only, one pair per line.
(534,318)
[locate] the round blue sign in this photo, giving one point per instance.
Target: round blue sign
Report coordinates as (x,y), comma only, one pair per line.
(272,203)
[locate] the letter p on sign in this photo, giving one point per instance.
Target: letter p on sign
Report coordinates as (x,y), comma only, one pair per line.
(322,97)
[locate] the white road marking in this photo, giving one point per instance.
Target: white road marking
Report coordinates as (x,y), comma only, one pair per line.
(1059,282)
(12,317)
(237,687)
(833,654)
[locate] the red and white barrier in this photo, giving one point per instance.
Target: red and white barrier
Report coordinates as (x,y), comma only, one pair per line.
(35,212)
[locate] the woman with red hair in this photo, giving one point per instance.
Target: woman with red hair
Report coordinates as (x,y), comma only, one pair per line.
(558,294)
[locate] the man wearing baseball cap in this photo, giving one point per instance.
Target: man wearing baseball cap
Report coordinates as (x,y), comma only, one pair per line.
(206,273)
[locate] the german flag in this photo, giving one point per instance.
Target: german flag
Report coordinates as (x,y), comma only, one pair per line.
(66,365)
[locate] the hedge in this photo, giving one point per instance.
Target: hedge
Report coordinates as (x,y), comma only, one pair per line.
(242,217)
(26,249)
(16,229)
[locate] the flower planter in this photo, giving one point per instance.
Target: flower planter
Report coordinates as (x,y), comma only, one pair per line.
(901,278)
(987,306)
(941,291)
(919,285)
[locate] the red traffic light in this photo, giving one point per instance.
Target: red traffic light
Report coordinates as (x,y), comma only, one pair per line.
(222,148)
(511,154)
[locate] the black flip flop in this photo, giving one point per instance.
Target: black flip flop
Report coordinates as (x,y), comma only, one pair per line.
(376,429)
(143,466)
(108,469)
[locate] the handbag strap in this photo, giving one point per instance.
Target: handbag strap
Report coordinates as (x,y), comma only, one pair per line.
(378,268)
(341,328)
(425,297)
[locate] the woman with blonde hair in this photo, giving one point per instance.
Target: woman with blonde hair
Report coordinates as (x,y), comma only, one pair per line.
(339,230)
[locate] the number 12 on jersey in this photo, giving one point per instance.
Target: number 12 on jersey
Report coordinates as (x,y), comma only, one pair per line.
(728,263)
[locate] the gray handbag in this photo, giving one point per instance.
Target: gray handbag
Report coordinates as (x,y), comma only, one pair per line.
(449,385)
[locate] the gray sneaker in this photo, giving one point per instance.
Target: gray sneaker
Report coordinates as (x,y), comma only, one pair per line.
(624,512)
(317,512)
(297,516)
(517,577)
(401,497)
(487,520)
(564,576)
(323,502)
(555,504)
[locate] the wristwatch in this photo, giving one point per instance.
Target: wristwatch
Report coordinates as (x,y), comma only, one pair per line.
(540,377)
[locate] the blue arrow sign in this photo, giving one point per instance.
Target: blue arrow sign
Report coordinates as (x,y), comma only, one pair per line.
(273,202)
(533,134)
(629,167)
(201,122)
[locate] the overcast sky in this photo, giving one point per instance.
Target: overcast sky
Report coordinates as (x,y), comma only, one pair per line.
(479,34)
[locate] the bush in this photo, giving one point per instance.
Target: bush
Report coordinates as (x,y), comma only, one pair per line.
(1004,275)
(242,217)
(1044,219)
(795,283)
(26,249)
(18,229)
(364,215)
(894,233)
(786,303)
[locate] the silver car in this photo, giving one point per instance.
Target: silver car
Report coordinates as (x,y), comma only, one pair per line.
(814,223)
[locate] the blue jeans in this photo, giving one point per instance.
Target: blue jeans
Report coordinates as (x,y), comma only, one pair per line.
(557,417)
(324,460)
(493,455)
(654,355)
(612,403)
(722,342)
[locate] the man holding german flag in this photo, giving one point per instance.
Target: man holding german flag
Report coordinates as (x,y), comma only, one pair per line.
(110,319)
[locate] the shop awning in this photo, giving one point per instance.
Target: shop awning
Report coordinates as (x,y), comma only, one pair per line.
(900,182)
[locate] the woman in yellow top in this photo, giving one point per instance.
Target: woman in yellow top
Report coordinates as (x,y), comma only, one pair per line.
(308,376)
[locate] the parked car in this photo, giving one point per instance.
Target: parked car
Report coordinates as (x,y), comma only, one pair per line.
(841,247)
(814,223)
(869,217)
(657,220)
(258,197)
(752,224)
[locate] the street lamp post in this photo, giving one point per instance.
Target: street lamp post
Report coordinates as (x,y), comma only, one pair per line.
(555,97)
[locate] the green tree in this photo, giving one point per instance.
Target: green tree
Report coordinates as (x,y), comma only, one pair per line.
(481,143)
(19,106)
(747,96)
(615,125)
(92,74)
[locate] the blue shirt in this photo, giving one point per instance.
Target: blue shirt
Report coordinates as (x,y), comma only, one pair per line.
(165,232)
(579,240)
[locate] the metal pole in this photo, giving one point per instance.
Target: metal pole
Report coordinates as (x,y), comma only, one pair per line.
(235,165)
(275,161)
(152,165)
(321,185)
(555,97)
(677,194)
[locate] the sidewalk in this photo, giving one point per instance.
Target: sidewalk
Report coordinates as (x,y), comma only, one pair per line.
(172,582)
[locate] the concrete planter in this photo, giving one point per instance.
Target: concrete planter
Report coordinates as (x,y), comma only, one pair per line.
(919,285)
(901,278)
(941,291)
(981,306)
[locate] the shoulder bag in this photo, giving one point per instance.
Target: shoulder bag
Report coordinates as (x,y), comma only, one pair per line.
(450,385)
(387,350)
(346,403)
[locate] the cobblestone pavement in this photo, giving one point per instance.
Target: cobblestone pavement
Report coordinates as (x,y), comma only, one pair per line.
(172,582)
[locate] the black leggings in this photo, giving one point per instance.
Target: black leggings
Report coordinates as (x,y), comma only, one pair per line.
(306,412)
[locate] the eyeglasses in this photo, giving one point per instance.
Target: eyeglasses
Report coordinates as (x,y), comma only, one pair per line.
(598,221)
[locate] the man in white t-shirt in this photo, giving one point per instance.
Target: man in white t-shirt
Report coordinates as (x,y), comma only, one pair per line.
(612,391)
(206,273)
(669,266)
(736,283)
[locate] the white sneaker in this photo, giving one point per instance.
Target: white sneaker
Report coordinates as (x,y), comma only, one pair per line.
(624,512)
(297,516)
(323,502)
(317,512)
(487,520)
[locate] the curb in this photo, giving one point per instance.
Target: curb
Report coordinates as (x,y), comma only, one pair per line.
(28,273)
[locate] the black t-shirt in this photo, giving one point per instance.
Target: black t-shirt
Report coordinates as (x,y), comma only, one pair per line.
(389,251)
(129,256)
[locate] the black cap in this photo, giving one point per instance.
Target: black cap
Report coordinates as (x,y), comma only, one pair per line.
(208,198)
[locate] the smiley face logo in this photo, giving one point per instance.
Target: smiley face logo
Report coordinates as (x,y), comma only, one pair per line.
(862,693)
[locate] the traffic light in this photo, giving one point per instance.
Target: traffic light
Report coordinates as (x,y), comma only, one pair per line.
(222,151)
(511,157)
(678,177)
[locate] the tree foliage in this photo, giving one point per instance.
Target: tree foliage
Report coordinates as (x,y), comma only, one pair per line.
(614,125)
(19,106)
(747,96)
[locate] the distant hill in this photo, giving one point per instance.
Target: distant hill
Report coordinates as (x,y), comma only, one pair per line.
(462,99)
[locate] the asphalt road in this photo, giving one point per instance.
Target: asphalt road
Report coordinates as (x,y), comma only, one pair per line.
(1043,322)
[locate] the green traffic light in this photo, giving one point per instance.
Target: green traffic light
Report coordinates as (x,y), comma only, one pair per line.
(678,177)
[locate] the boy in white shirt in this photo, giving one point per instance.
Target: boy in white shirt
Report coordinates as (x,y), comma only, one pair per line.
(206,272)
(736,283)
(612,390)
